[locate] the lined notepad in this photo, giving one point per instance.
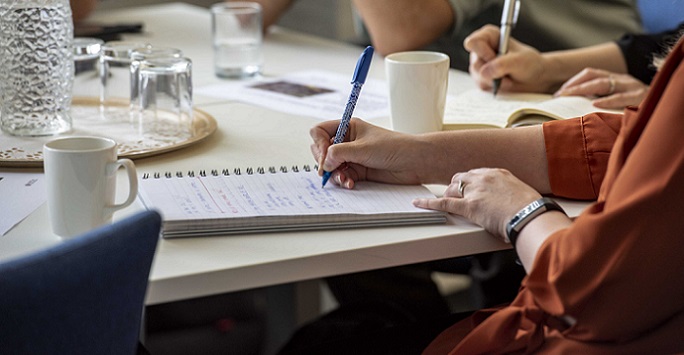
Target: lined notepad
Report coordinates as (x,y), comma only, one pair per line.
(223,203)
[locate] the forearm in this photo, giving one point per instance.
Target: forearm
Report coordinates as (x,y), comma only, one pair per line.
(535,233)
(272,10)
(399,25)
(520,150)
(562,65)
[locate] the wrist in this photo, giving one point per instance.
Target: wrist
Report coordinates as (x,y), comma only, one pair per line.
(432,145)
(556,71)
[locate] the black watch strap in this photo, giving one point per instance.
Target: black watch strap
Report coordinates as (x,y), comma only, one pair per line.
(527,214)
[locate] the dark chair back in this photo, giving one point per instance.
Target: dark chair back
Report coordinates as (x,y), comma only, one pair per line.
(82,296)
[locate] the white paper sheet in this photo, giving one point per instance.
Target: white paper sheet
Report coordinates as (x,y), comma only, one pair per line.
(319,94)
(21,194)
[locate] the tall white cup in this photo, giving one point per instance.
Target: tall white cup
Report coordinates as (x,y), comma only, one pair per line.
(81,183)
(418,82)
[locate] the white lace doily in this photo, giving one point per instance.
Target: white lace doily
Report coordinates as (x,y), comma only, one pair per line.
(132,143)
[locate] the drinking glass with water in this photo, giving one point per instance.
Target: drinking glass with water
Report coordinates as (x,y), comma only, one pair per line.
(237,36)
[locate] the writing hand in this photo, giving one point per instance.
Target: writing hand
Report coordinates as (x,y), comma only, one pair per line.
(368,153)
(614,91)
(521,69)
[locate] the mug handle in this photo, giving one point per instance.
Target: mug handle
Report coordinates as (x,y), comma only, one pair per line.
(132,182)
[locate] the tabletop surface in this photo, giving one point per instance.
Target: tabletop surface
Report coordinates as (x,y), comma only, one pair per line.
(250,136)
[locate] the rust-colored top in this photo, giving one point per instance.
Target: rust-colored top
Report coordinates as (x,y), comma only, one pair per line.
(618,270)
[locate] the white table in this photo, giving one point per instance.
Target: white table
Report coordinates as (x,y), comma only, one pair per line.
(256,136)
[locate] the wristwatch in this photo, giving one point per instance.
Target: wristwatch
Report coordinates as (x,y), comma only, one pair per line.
(527,214)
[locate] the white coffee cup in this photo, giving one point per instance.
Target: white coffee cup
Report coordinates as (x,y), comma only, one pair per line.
(418,82)
(81,183)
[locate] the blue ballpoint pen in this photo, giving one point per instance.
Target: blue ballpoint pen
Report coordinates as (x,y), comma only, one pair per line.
(360,73)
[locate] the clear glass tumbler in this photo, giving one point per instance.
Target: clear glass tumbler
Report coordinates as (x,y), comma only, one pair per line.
(115,79)
(140,54)
(237,37)
(165,105)
(86,72)
(37,70)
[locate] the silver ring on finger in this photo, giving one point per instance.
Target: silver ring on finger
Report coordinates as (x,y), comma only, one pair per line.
(611,85)
(461,187)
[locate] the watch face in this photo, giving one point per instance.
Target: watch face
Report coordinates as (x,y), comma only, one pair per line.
(532,206)
(525,212)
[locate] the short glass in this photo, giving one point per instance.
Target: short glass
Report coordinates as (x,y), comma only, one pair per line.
(141,54)
(115,78)
(86,59)
(237,37)
(164,112)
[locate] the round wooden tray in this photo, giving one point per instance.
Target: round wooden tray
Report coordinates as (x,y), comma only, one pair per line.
(27,152)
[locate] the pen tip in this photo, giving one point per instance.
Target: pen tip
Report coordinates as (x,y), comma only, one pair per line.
(326,176)
(495,86)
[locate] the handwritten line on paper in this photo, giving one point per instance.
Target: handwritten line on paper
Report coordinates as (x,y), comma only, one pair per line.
(215,205)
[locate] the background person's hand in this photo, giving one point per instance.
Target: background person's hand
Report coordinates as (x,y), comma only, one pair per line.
(614,91)
(491,197)
(368,153)
(521,69)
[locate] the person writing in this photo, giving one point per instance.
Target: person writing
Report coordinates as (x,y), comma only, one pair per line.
(599,284)
(443,24)
(616,74)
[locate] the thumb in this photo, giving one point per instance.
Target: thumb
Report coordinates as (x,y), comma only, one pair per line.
(338,154)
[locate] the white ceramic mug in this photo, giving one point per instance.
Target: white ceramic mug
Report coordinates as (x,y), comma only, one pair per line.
(418,82)
(81,183)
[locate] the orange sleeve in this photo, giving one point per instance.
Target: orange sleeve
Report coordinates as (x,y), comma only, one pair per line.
(577,151)
(614,273)
(615,270)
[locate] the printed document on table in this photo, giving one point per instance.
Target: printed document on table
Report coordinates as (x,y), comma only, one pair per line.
(21,194)
(319,94)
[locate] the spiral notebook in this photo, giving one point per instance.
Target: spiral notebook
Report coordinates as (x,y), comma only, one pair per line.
(275,200)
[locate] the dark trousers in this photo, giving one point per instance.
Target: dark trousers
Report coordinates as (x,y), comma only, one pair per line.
(344,331)
(400,310)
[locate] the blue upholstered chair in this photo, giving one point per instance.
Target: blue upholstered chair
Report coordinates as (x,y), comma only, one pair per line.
(82,296)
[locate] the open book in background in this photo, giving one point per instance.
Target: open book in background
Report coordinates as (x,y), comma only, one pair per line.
(276,201)
(480,109)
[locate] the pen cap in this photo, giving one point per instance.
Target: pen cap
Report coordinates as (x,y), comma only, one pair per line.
(509,15)
(362,66)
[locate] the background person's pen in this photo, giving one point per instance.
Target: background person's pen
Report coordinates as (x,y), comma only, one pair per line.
(509,17)
(360,73)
